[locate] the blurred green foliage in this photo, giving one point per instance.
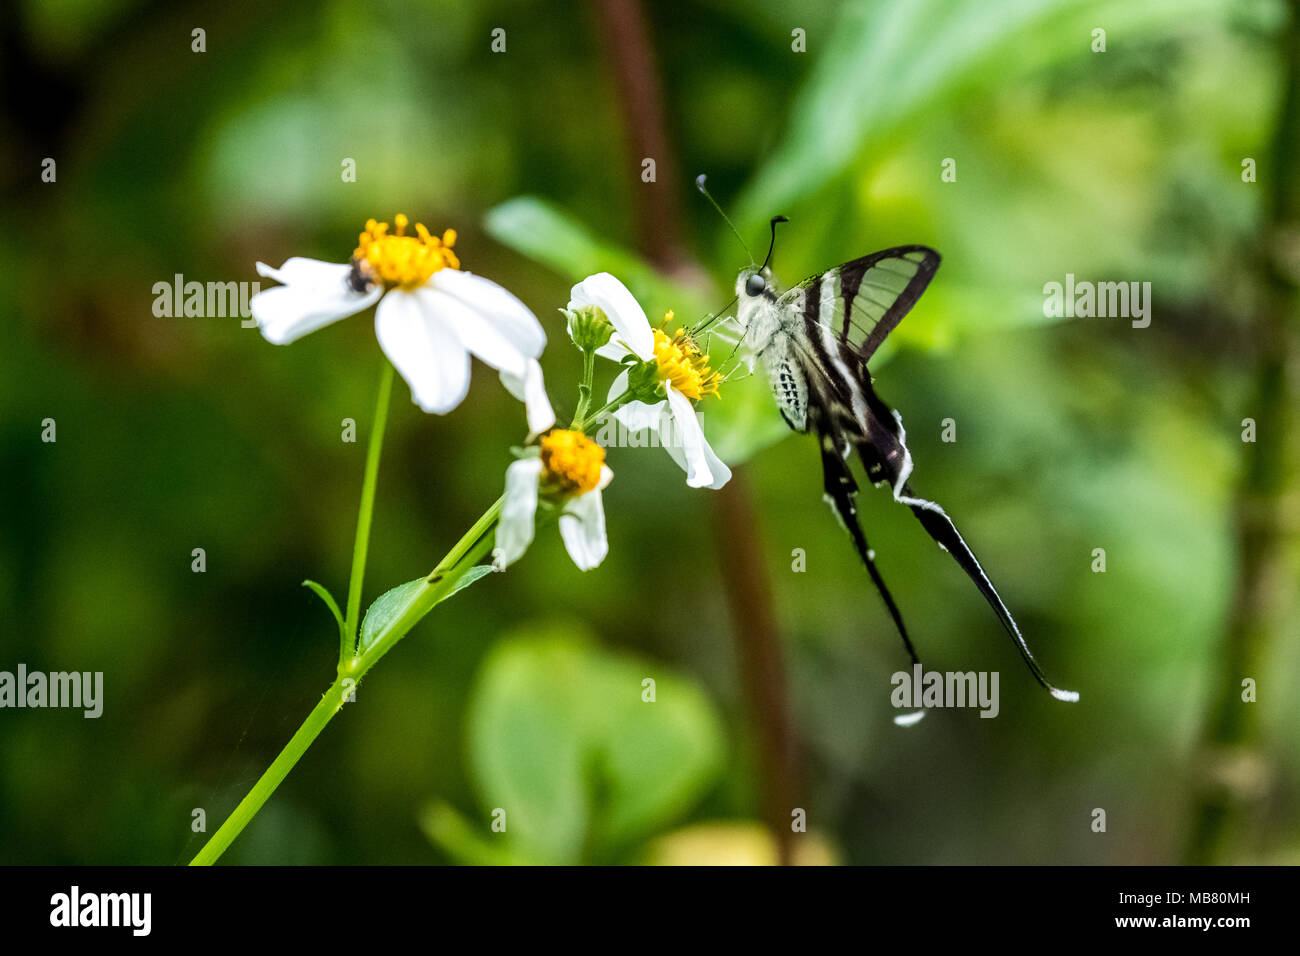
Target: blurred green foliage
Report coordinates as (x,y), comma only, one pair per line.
(181,433)
(579,766)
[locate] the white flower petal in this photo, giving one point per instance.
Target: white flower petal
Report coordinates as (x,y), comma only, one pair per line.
(582,526)
(638,416)
(688,446)
(300,270)
(718,472)
(511,318)
(515,527)
(427,352)
(717,467)
(614,350)
(475,332)
(620,307)
(618,386)
(530,388)
(314,294)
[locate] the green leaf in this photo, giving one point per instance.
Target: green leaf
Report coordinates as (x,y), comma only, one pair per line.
(321,592)
(393,603)
(560,738)
(469,577)
(469,843)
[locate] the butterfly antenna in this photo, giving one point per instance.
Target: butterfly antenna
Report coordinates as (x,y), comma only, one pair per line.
(699,184)
(772,245)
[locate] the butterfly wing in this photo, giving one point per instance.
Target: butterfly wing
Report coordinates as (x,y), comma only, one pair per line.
(860,302)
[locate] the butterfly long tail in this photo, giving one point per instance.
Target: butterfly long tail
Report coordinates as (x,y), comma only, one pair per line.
(941,528)
(840,490)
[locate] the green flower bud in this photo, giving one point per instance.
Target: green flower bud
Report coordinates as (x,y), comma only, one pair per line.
(588,327)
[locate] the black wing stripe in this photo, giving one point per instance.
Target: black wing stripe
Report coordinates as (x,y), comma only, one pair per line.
(851,276)
(812,302)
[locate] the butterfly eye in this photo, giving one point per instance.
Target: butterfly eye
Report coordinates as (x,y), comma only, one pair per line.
(755,285)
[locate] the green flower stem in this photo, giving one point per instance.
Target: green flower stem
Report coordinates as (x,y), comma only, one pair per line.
(582,425)
(475,543)
(365,513)
(321,714)
(584,390)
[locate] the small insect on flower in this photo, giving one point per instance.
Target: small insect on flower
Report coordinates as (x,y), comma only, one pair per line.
(568,473)
(666,375)
(431,315)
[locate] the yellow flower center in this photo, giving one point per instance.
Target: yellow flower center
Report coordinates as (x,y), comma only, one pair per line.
(402,261)
(681,362)
(571,461)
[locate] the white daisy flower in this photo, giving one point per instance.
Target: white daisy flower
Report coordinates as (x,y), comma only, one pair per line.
(680,372)
(569,472)
(431,316)
(631,328)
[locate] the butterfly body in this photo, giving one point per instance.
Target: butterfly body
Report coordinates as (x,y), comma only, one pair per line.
(770,332)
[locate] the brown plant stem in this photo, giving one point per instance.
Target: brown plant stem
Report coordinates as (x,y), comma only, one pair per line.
(636,77)
(759,656)
(748,588)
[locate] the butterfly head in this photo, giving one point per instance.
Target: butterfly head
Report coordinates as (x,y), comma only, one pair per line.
(756,310)
(754,283)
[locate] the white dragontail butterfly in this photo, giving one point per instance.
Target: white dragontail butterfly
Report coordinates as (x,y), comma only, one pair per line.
(814,341)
